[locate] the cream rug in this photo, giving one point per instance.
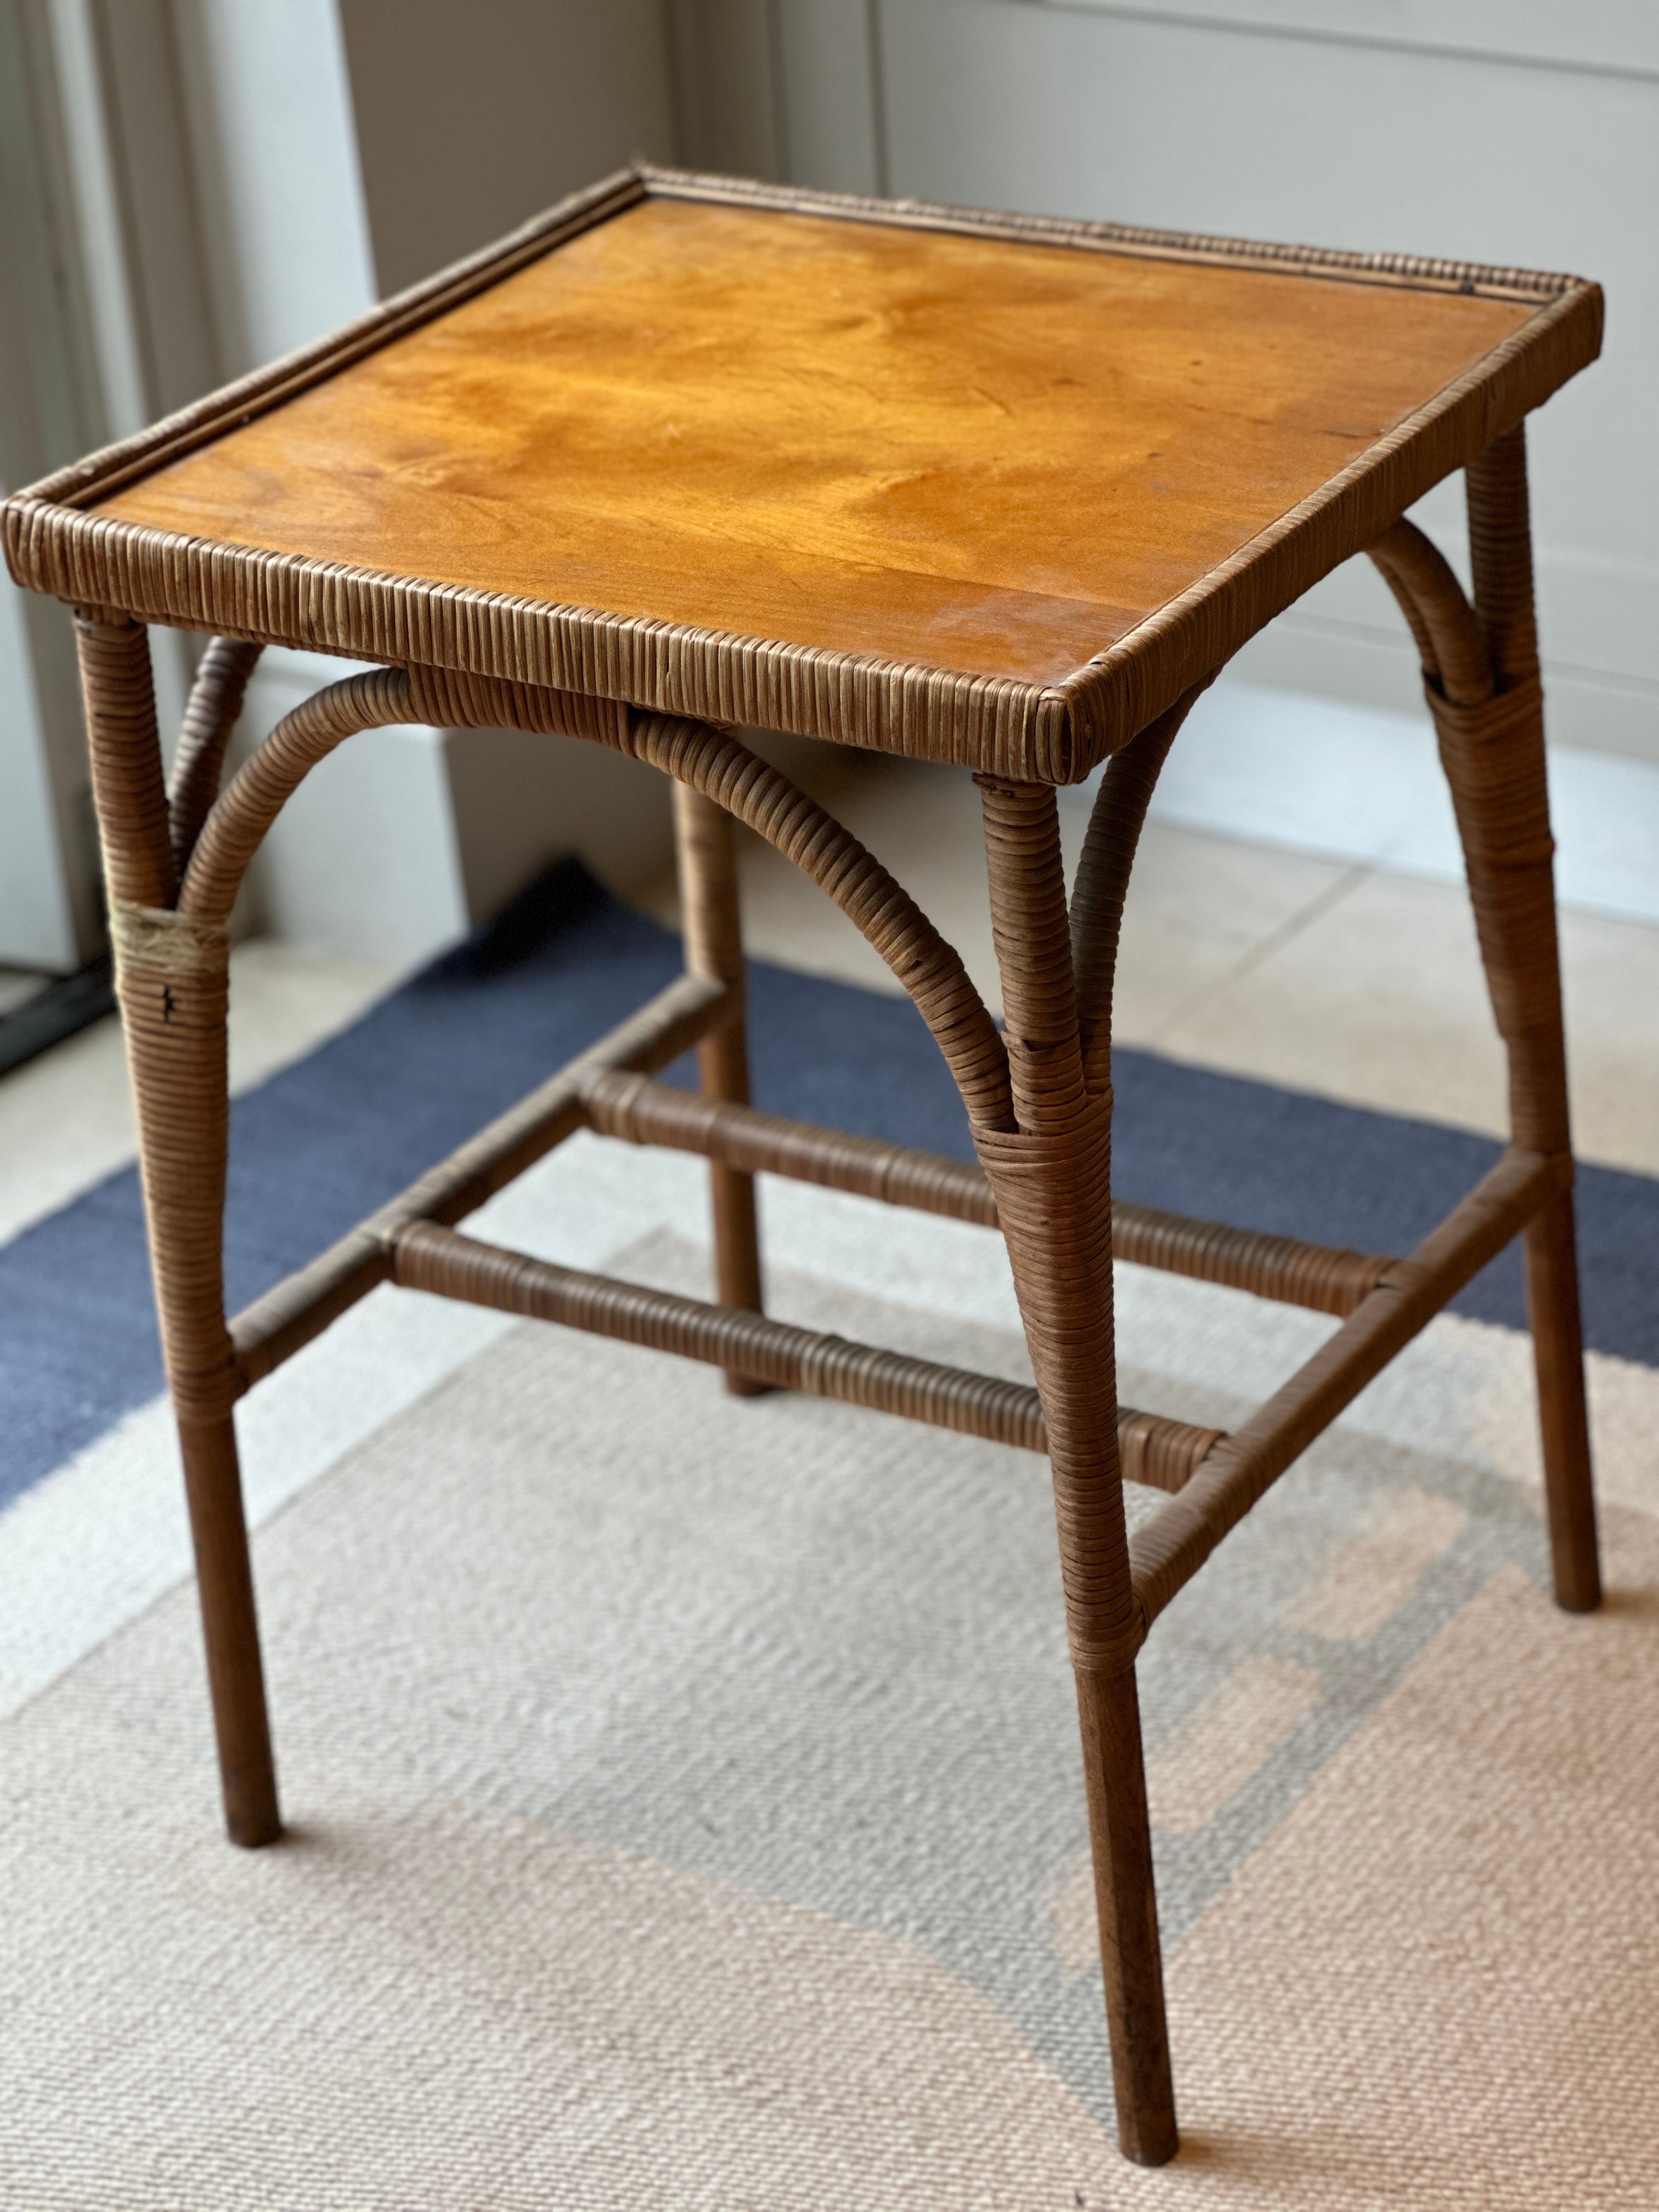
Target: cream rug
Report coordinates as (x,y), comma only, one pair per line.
(686,1803)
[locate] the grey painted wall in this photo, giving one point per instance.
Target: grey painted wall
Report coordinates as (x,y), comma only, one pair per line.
(472,118)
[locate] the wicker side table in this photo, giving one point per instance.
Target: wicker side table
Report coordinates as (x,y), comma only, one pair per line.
(998,493)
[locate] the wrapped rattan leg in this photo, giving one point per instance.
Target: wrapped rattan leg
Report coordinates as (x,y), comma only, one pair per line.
(1556,1343)
(1480,672)
(1125,1899)
(1052,1181)
(230,1629)
(1496,769)
(171,972)
(713,949)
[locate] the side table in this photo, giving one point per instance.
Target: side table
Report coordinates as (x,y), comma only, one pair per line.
(1004,494)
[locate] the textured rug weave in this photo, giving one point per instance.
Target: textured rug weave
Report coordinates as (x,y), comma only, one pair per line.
(686,1807)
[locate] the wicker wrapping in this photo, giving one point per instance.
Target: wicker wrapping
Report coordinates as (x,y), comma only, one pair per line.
(172,977)
(215,701)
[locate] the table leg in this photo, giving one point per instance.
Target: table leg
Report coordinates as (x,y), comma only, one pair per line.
(172,975)
(1052,1179)
(1126,1900)
(1499,787)
(714,948)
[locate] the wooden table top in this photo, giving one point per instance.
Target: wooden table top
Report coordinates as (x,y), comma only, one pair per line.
(986,458)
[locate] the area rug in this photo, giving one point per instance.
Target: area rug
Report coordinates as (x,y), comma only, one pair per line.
(325,1142)
(685,1810)
(683,1794)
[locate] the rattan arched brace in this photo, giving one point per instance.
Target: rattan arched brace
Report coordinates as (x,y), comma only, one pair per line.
(210,716)
(717,763)
(710,760)
(1492,747)
(237,823)
(1455,661)
(1101,882)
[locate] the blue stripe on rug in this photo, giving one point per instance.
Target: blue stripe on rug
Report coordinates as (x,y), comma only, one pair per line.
(324,1142)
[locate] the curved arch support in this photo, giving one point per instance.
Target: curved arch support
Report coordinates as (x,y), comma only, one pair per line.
(1455,661)
(236,825)
(1492,747)
(211,716)
(717,763)
(1101,882)
(712,761)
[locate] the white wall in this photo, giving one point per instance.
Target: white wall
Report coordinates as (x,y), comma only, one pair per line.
(37,908)
(364,860)
(51,405)
(472,118)
(468,119)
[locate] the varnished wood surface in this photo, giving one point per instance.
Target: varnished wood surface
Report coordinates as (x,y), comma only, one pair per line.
(954,452)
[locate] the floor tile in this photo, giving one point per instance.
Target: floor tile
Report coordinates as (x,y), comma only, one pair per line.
(1202,911)
(1380,1001)
(1611,983)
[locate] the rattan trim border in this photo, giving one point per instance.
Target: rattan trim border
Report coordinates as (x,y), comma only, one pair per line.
(1051,734)
(1411,271)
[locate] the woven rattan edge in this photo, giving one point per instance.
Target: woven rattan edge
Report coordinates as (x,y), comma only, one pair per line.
(1415,272)
(998,723)
(1053,734)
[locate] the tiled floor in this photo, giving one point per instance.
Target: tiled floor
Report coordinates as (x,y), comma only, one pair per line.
(1324,975)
